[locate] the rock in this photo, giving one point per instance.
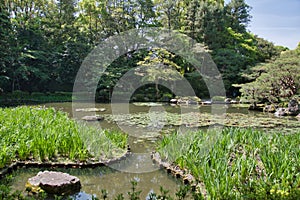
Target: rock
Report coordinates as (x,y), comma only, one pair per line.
(206,102)
(93,118)
(53,183)
(293,108)
(190,100)
(173,101)
(234,102)
(281,112)
(228,100)
(90,110)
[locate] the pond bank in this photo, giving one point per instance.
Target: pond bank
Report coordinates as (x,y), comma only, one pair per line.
(51,165)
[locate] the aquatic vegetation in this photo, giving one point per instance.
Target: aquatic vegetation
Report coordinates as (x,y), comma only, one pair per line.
(204,119)
(238,163)
(44,134)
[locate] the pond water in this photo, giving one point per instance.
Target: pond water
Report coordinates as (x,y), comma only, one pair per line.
(145,125)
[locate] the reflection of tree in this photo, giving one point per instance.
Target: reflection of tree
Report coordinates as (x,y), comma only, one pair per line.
(159,66)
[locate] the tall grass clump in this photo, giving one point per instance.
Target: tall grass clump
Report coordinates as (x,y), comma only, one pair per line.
(44,134)
(238,163)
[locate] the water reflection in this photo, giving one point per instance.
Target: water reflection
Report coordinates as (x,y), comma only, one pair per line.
(104,178)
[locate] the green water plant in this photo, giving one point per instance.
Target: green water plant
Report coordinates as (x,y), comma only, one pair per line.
(204,119)
(238,163)
(45,134)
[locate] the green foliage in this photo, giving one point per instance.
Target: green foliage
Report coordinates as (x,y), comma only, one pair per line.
(19,97)
(43,43)
(238,163)
(158,67)
(276,81)
(43,134)
(218,98)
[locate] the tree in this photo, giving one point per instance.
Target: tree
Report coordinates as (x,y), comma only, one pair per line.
(159,66)
(170,13)
(5,37)
(276,81)
(238,15)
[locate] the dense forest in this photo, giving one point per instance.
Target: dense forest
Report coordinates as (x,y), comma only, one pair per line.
(43,42)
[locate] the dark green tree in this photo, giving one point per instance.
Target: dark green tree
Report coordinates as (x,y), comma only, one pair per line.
(5,37)
(276,81)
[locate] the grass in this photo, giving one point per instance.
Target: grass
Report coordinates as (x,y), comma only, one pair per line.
(238,163)
(44,134)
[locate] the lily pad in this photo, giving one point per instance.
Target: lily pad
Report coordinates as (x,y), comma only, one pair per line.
(198,119)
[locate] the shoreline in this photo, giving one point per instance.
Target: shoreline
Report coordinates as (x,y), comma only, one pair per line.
(27,164)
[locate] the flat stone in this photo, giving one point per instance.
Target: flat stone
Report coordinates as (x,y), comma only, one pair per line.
(234,102)
(90,109)
(93,118)
(206,103)
(51,182)
(281,112)
(173,100)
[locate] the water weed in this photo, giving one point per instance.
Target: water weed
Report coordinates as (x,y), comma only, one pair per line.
(238,160)
(44,134)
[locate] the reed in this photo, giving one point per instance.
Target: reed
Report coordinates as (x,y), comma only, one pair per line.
(44,134)
(238,163)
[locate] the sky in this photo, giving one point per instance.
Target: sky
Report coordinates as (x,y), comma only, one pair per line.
(277,21)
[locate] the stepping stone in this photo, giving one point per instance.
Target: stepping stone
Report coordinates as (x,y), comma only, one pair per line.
(53,183)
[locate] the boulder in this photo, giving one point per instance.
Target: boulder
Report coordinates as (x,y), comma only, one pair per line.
(206,102)
(281,112)
(93,118)
(234,102)
(188,100)
(293,107)
(228,100)
(173,101)
(51,182)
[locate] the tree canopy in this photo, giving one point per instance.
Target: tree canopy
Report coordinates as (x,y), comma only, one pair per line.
(43,43)
(275,81)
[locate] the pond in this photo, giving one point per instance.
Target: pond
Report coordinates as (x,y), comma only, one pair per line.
(145,123)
